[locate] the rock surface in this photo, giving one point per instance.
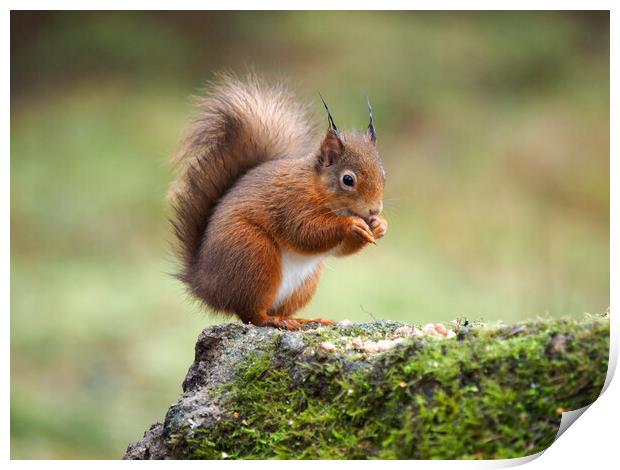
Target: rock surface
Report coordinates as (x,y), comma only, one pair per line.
(382,390)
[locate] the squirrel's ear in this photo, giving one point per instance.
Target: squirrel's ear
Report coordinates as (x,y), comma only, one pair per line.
(370,132)
(331,149)
(371,135)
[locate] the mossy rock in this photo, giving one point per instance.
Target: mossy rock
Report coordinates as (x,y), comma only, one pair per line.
(381,390)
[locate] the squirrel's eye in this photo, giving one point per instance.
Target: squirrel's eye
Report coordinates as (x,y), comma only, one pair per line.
(348,180)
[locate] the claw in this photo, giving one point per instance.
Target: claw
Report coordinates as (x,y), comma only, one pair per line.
(284,324)
(295,323)
(365,235)
(321,321)
(378,226)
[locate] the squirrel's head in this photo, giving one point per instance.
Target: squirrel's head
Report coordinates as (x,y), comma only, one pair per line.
(350,167)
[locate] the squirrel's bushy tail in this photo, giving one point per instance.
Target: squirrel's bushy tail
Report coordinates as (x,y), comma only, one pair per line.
(240,124)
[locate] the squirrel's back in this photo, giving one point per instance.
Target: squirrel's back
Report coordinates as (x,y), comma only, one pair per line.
(240,124)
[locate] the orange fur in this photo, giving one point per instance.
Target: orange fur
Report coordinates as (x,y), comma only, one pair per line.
(251,186)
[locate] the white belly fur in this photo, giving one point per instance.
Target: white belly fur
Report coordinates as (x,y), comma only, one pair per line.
(296,269)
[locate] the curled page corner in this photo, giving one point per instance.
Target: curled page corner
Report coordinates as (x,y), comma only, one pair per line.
(569,417)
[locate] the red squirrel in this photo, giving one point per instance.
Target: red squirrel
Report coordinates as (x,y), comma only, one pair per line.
(258,207)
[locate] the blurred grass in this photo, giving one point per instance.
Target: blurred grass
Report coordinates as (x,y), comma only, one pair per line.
(494,128)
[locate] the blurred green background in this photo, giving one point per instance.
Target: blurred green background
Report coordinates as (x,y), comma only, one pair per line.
(494,128)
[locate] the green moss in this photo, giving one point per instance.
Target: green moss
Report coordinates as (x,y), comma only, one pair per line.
(489,393)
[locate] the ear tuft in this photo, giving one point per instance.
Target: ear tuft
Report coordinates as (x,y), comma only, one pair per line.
(331,149)
(370,132)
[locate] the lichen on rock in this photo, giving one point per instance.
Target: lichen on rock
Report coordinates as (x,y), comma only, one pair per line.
(381,390)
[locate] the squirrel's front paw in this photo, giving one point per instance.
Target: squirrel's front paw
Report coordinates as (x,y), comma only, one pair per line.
(359,228)
(378,225)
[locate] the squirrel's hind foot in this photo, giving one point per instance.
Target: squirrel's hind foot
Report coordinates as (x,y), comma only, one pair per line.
(284,323)
(320,321)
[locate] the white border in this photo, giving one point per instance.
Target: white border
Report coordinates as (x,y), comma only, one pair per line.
(310,5)
(592,442)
